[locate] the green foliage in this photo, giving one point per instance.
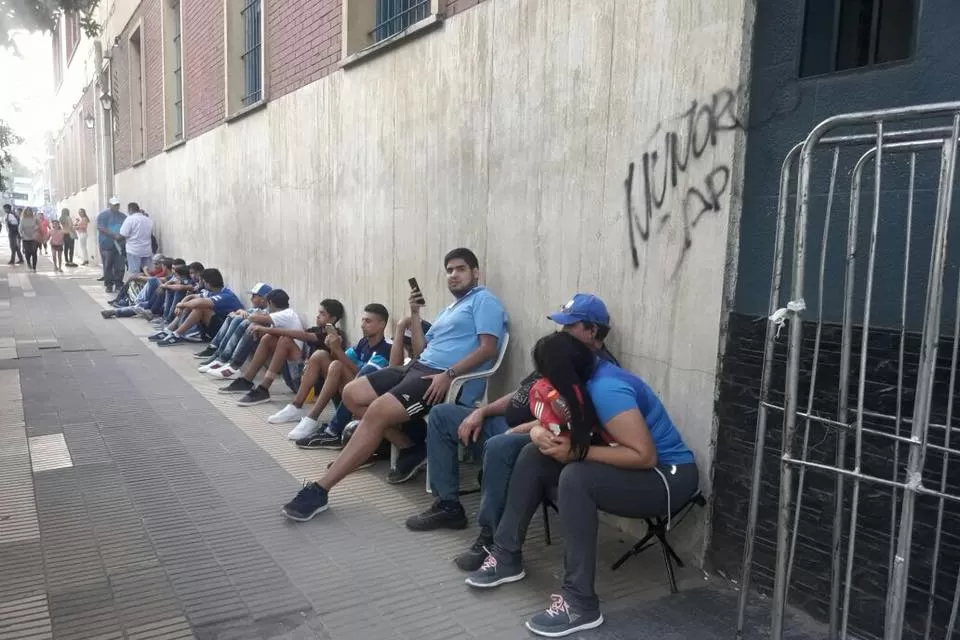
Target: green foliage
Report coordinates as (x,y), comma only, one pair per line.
(42,15)
(7,139)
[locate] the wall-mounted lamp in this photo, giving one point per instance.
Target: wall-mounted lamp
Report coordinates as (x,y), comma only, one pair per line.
(88,120)
(106,101)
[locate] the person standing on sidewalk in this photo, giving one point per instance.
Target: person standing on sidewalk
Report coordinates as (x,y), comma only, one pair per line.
(30,237)
(80,225)
(137,231)
(13,233)
(44,223)
(69,237)
(57,241)
(109,222)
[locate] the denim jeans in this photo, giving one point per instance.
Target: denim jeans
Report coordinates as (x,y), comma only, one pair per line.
(170,301)
(113,266)
(498,448)
(342,416)
(500,454)
(227,331)
(246,345)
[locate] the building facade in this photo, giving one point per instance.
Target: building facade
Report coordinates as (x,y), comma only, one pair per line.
(338,148)
(632,149)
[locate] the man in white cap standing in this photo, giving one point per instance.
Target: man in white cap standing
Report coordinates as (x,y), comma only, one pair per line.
(109,222)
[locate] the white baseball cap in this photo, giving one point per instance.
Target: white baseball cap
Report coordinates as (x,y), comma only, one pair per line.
(114,200)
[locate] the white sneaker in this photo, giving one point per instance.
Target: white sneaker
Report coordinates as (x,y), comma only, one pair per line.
(225,372)
(204,368)
(305,427)
(289,413)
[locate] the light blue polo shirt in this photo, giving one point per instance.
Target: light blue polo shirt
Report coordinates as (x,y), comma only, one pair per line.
(456,333)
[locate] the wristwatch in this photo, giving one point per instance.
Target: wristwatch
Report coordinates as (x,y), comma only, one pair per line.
(451,373)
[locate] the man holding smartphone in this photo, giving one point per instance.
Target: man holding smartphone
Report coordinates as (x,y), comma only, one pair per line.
(465,336)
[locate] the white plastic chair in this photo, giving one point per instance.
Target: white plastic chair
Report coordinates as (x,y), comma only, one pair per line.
(457,385)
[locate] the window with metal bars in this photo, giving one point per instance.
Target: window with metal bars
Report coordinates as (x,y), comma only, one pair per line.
(393,16)
(250,57)
(848,34)
(177,63)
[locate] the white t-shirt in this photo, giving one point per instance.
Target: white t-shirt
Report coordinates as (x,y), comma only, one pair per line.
(286,319)
(137,229)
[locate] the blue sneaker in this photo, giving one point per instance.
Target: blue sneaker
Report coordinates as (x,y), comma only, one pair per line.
(496,571)
(310,501)
(560,619)
(170,340)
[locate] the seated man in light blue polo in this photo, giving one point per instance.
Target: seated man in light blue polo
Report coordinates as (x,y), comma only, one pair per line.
(465,337)
(501,429)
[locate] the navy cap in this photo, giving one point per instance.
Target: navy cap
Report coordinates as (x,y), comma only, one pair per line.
(583,307)
(261,289)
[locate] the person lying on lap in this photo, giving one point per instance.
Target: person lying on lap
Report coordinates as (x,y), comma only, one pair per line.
(501,429)
(650,472)
(372,349)
(285,348)
(464,337)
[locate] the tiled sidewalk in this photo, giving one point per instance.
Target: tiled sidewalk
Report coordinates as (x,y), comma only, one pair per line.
(136,502)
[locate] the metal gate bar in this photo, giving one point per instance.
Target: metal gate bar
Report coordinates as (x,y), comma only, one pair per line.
(881,140)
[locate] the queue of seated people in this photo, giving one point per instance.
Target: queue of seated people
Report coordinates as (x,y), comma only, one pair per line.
(579,428)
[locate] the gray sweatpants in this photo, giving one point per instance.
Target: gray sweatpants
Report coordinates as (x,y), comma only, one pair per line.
(583,489)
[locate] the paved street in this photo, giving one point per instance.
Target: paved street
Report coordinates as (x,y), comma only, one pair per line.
(136,502)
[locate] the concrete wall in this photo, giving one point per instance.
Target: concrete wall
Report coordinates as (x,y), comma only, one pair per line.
(510,130)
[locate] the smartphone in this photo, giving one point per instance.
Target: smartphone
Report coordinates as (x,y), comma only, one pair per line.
(414,286)
(330,328)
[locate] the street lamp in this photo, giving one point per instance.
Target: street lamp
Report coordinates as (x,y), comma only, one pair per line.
(106,101)
(89,120)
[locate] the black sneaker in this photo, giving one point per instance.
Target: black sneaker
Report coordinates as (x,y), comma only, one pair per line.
(309,501)
(374,458)
(444,514)
(240,385)
(320,439)
(206,353)
(560,619)
(108,313)
(496,571)
(100,279)
(257,395)
(409,463)
(472,559)
(159,335)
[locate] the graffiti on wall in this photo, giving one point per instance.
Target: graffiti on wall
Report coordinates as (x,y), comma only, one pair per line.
(674,157)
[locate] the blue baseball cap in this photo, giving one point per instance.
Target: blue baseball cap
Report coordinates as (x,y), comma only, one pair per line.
(261,289)
(583,307)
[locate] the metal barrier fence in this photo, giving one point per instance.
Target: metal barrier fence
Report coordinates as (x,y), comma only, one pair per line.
(900,429)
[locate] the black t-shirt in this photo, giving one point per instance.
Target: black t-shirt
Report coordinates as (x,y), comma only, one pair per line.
(320,343)
(518,411)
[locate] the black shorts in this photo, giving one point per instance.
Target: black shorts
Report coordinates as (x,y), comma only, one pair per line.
(406,384)
(211,329)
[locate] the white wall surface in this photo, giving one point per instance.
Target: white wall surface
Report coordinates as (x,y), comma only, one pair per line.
(509,130)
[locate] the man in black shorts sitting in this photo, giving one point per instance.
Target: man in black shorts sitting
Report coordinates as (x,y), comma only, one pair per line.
(465,336)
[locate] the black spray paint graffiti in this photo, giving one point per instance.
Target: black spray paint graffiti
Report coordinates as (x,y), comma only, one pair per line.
(674,155)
